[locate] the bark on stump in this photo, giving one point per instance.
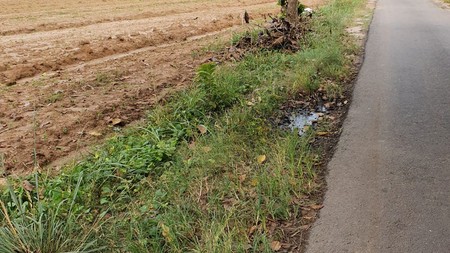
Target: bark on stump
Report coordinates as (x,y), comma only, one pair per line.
(292,12)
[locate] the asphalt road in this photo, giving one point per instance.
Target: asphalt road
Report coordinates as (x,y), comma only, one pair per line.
(389,180)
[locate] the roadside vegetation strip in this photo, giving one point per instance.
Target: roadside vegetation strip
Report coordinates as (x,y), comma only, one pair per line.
(207,173)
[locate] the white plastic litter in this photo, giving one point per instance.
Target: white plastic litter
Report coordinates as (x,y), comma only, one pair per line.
(308,10)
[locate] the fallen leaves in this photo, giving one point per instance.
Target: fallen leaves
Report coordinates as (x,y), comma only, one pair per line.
(252,230)
(316,207)
(27,185)
(261,159)
(3,183)
(275,245)
(45,124)
(309,212)
(116,122)
(305,227)
(254,182)
(165,230)
(202,129)
(95,133)
(309,218)
(229,203)
(242,178)
(278,34)
(192,145)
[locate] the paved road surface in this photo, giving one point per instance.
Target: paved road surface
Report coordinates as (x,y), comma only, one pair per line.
(389,181)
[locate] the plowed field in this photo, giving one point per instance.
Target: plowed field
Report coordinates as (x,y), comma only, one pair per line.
(73,71)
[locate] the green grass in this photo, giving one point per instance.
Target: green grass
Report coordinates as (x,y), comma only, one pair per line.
(168,187)
(37,229)
(55,97)
(104,78)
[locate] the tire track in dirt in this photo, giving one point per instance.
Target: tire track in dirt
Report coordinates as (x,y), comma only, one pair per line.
(59,113)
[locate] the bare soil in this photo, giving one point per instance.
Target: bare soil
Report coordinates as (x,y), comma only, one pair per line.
(73,71)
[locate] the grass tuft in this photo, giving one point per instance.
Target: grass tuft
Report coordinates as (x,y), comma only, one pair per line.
(43,229)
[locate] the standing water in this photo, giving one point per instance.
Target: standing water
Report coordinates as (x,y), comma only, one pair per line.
(300,119)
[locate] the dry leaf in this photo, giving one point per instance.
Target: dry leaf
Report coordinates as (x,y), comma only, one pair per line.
(116,121)
(166,232)
(242,178)
(95,133)
(202,129)
(322,133)
(45,124)
(254,182)
(191,145)
(304,227)
(278,41)
(228,203)
(3,183)
(27,186)
(275,245)
(316,207)
(249,103)
(261,159)
(206,149)
(247,247)
(252,230)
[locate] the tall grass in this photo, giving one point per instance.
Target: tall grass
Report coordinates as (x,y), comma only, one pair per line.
(42,229)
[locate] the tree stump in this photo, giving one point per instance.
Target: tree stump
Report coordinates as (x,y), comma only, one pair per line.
(292,12)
